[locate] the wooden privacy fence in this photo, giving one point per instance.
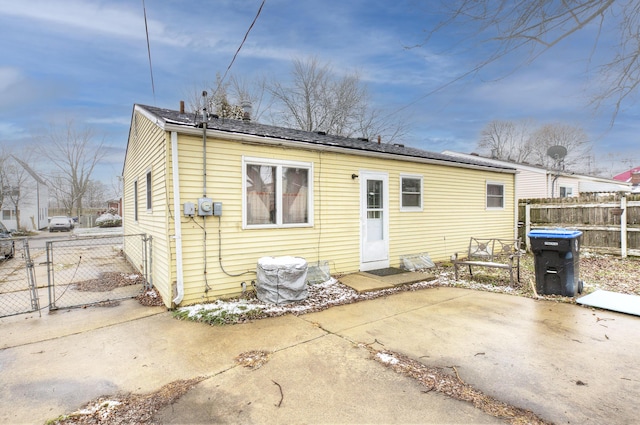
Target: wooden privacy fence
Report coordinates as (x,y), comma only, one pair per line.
(609,223)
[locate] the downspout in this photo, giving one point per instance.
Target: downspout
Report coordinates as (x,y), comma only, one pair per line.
(516,207)
(176,218)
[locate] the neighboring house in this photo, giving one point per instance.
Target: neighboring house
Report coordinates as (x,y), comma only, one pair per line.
(538,182)
(34,198)
(632,177)
(217,199)
(115,205)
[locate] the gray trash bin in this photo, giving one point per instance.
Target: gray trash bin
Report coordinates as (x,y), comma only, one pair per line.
(556,259)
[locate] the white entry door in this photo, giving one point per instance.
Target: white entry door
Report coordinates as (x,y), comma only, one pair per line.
(374,220)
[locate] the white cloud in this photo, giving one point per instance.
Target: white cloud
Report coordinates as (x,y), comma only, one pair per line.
(9,77)
(10,131)
(119,20)
(125,121)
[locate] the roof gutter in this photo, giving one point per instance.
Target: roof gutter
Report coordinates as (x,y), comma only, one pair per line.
(176,218)
(247,138)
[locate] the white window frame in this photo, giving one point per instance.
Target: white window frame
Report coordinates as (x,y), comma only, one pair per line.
(279,164)
(412,208)
(566,189)
(135,200)
(486,194)
(149,190)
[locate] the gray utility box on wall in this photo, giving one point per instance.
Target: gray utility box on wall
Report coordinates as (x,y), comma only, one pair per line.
(556,258)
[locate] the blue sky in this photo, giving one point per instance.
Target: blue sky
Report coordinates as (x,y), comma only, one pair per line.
(87,61)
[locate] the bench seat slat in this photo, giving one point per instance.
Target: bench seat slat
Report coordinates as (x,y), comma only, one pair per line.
(485,264)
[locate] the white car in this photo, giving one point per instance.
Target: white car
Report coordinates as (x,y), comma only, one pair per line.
(60,224)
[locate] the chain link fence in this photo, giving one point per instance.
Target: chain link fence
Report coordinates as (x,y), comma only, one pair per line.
(96,270)
(74,272)
(19,293)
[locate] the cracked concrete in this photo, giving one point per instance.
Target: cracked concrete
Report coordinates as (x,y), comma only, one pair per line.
(530,354)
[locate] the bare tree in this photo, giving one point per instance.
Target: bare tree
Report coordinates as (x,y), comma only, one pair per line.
(536,26)
(522,141)
(18,186)
(314,100)
(74,153)
(3,180)
(60,192)
(572,138)
(96,194)
(317,100)
(216,100)
(508,140)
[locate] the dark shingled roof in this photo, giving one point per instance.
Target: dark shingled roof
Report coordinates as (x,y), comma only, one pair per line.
(313,138)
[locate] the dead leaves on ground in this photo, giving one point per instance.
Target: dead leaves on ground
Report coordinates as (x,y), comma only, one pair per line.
(128,409)
(435,379)
(253,359)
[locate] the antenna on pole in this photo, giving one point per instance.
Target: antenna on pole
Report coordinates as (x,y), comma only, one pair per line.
(558,153)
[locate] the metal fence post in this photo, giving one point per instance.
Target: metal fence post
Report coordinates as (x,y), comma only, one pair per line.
(527,226)
(149,280)
(623,226)
(50,287)
(31,278)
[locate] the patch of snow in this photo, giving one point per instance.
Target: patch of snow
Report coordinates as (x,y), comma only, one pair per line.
(387,358)
(103,405)
(320,296)
(282,261)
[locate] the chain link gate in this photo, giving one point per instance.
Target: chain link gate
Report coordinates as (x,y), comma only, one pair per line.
(19,292)
(97,270)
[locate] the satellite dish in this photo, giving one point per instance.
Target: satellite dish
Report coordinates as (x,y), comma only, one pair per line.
(557,152)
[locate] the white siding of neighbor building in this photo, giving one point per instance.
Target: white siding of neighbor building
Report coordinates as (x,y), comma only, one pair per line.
(531,184)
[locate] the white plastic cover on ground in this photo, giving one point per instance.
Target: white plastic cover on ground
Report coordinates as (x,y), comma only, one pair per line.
(281,280)
(622,303)
(416,262)
(318,272)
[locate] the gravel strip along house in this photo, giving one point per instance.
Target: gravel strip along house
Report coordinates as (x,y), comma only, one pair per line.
(216,195)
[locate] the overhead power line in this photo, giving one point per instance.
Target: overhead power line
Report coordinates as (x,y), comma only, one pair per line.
(146,29)
(239,47)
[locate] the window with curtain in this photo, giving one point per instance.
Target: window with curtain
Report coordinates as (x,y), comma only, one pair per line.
(277,193)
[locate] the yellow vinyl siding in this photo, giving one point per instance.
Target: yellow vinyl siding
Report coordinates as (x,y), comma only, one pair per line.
(454,208)
(146,151)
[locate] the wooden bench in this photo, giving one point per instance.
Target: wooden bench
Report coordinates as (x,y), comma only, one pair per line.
(493,252)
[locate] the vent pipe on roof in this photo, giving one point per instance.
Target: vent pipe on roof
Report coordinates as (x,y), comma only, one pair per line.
(379,139)
(246,110)
(182,106)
